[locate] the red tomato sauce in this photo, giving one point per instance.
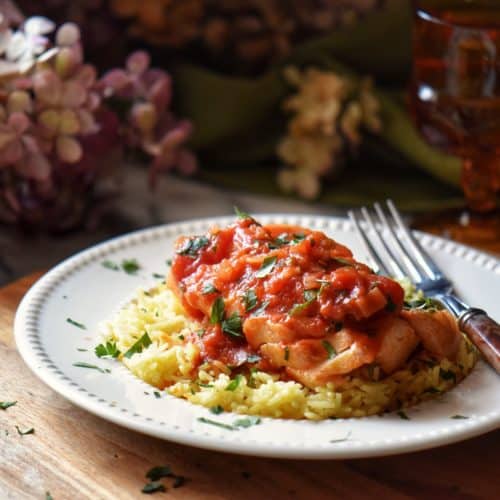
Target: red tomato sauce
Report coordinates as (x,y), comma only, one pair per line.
(298,280)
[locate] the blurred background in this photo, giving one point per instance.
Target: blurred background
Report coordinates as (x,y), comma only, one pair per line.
(121,114)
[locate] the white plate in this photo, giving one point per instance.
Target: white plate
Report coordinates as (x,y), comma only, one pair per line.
(82,289)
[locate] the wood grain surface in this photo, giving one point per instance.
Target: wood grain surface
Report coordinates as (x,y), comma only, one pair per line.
(75,455)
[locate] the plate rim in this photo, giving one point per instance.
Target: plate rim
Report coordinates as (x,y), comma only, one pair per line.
(31,304)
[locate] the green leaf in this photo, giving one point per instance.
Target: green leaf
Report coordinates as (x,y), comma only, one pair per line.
(253,358)
(192,247)
(278,242)
(310,296)
(7,404)
(330,350)
(261,308)
(266,267)
(48,496)
(83,364)
(390,306)
(250,300)
(233,385)
(31,430)
(218,311)
(247,421)
(130,266)
(233,325)
(204,420)
(139,345)
(158,276)
(157,394)
(156,473)
(447,374)
(153,487)
(108,349)
(343,262)
(110,265)
(241,214)
(209,288)
(298,237)
(457,417)
(217,409)
(75,323)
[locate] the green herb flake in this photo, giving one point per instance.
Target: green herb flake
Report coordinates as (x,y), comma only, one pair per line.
(204,420)
(141,344)
(253,358)
(267,266)
(130,266)
(192,246)
(261,308)
(343,262)
(432,390)
(216,410)
(158,276)
(110,265)
(108,349)
(403,415)
(75,323)
(157,394)
(298,237)
(217,312)
(81,349)
(232,386)
(153,487)
(287,353)
(329,349)
(241,214)
(279,241)
(458,417)
(250,300)
(158,472)
(247,421)
(233,325)
(168,262)
(82,364)
(209,288)
(390,306)
(200,333)
(7,404)
(31,430)
(309,297)
(48,496)
(447,375)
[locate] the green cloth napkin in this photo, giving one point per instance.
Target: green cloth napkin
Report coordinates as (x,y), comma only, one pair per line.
(238,121)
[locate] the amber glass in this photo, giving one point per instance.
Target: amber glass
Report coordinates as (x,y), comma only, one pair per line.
(455,91)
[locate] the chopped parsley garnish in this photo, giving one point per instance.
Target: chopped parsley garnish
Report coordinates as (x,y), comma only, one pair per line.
(261,308)
(192,246)
(158,276)
(81,349)
(216,410)
(457,417)
(247,421)
(217,424)
(7,404)
(250,300)
(82,364)
(153,487)
(266,267)
(390,306)
(403,415)
(108,349)
(253,358)
(209,288)
(110,265)
(232,386)
(298,237)
(343,262)
(200,333)
(202,384)
(156,473)
(136,348)
(425,303)
(232,325)
(168,262)
(217,312)
(48,496)
(279,241)
(31,430)
(329,349)
(309,297)
(241,214)
(130,266)
(157,394)
(75,323)
(447,374)
(287,353)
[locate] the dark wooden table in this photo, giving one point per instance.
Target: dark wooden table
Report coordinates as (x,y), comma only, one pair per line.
(73,454)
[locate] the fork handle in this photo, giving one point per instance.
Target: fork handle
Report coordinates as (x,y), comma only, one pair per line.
(484,333)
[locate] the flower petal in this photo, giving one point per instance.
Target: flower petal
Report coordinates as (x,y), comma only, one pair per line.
(68,149)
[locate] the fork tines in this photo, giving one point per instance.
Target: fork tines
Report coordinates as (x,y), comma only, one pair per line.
(390,244)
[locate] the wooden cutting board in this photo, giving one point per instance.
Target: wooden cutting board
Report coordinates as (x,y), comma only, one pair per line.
(73,454)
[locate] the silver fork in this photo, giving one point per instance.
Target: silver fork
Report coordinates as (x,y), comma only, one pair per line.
(403,256)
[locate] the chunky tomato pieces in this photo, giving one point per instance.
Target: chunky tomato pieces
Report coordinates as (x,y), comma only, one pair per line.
(298,283)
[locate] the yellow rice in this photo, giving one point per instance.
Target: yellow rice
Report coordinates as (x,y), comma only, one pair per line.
(170,363)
